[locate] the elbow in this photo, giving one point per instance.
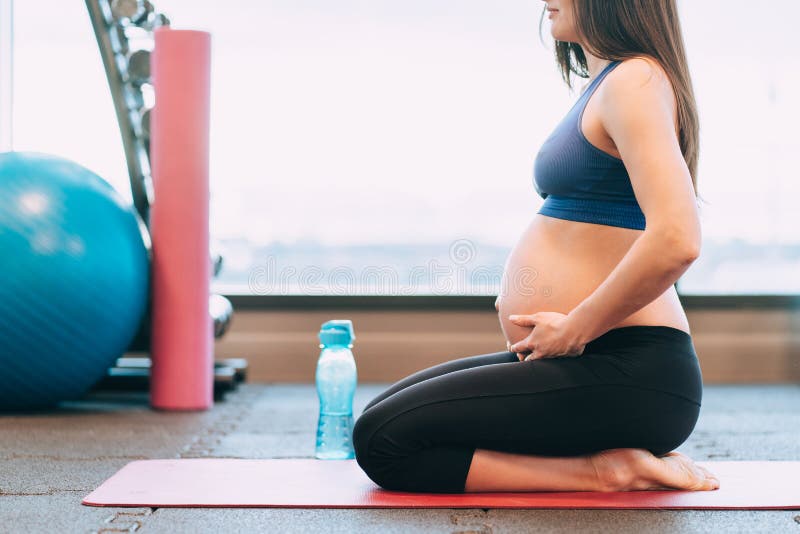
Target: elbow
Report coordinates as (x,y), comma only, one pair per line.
(680,244)
(686,250)
(692,250)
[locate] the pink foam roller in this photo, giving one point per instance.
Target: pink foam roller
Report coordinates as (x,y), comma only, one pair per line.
(182,337)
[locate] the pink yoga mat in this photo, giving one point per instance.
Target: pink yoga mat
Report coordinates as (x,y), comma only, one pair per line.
(311,483)
(182,334)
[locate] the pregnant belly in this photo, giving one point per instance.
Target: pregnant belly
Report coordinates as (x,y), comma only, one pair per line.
(558,263)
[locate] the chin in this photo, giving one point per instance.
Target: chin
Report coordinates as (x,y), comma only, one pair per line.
(561,35)
(564,37)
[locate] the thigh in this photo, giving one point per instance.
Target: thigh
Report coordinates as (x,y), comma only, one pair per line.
(444,368)
(559,406)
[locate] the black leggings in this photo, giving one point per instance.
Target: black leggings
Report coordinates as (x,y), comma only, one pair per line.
(634,386)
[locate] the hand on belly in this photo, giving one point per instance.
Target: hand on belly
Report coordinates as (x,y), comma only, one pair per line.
(551,284)
(512,305)
(557,263)
(553,335)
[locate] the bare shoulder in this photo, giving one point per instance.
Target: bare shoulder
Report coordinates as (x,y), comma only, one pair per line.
(636,75)
(635,90)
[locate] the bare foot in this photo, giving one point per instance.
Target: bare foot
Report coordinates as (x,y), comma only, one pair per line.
(638,469)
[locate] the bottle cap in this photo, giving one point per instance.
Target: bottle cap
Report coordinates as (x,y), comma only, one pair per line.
(338,332)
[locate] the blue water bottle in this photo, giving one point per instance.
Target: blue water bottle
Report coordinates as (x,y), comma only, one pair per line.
(336,384)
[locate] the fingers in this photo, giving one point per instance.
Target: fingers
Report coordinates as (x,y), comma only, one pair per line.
(520,355)
(516,347)
(523,320)
(525,351)
(521,345)
(521,348)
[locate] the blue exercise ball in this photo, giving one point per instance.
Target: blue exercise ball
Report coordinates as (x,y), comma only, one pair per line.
(74,279)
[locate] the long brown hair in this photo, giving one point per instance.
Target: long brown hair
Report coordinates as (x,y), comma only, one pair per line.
(619,29)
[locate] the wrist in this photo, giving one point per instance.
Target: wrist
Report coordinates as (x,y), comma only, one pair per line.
(580,329)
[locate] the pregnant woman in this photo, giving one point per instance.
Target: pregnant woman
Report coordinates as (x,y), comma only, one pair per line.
(600,381)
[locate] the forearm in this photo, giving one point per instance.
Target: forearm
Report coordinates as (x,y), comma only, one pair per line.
(651,266)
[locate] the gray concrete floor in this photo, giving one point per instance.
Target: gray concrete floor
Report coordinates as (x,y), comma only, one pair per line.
(50,461)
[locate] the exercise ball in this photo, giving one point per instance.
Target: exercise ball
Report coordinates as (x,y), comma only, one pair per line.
(74,279)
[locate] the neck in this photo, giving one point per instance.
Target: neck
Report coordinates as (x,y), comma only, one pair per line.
(595,65)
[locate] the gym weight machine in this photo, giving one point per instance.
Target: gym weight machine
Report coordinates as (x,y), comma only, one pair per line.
(124,33)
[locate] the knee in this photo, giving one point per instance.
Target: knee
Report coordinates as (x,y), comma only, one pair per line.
(397,453)
(371,462)
(379,457)
(361,438)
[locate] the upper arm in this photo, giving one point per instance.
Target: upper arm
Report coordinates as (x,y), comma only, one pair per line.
(638,112)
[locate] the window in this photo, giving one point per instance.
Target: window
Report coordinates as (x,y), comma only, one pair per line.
(387,146)
(745,77)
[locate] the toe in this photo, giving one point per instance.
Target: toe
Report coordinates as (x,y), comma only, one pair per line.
(706,472)
(711,478)
(703,479)
(680,472)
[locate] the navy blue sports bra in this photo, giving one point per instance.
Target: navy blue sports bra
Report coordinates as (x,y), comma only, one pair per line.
(580,182)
